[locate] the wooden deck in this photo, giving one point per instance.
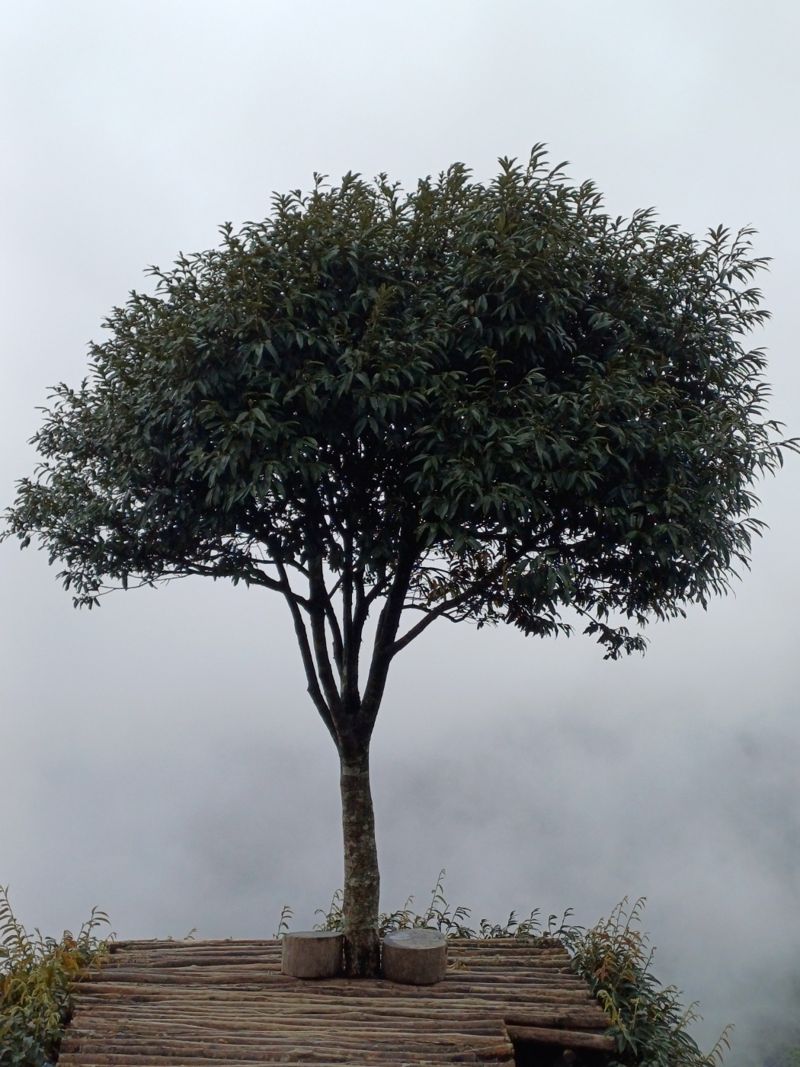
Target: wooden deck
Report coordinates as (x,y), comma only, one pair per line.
(197,1003)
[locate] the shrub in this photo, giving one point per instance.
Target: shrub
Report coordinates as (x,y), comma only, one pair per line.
(36,974)
(647,1019)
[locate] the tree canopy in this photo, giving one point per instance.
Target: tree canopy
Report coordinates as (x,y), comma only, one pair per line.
(514,399)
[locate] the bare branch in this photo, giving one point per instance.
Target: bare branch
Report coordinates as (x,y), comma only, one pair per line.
(336,630)
(365,600)
(351,583)
(321,610)
(388,622)
(227,568)
(298,567)
(301,633)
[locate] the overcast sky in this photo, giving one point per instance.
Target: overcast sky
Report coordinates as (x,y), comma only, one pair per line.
(159,757)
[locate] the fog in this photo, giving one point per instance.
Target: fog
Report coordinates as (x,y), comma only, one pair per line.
(159,757)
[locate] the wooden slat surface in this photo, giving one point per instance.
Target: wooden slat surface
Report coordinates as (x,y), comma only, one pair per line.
(204,1003)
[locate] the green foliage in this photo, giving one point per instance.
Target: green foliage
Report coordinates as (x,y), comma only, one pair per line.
(647,1019)
(495,399)
(441,916)
(36,974)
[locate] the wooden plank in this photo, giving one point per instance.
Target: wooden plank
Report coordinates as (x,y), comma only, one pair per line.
(562,1038)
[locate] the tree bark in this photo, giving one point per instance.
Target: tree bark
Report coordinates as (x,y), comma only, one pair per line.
(361,877)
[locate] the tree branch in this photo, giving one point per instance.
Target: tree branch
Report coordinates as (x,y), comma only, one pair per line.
(352,634)
(320,610)
(230,569)
(447,605)
(388,622)
(301,633)
(336,631)
(364,600)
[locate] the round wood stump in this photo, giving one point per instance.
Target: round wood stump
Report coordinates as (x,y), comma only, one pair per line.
(312,954)
(414,957)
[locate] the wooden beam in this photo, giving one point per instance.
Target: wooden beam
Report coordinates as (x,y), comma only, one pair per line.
(540,1035)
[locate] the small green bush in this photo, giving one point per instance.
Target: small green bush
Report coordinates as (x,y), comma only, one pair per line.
(36,974)
(648,1020)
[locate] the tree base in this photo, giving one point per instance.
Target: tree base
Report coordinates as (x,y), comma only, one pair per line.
(362,955)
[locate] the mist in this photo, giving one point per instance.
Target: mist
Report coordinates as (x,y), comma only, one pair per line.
(159,757)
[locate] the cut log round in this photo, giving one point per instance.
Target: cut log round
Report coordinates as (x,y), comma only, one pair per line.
(312,954)
(414,957)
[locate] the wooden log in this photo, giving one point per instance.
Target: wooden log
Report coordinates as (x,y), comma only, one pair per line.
(312,954)
(414,957)
(569,1019)
(541,1035)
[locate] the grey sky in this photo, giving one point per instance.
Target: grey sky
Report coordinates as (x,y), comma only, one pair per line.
(160,757)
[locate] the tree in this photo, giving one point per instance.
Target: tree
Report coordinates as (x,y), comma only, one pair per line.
(471,401)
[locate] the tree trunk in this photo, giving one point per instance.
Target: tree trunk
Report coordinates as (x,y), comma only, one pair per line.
(361,878)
